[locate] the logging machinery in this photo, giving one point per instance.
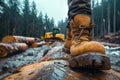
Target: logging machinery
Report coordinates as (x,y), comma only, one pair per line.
(55,35)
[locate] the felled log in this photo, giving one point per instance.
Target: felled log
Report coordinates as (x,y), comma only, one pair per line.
(55,66)
(10,48)
(56,53)
(111,38)
(110,44)
(38,44)
(20,39)
(59,70)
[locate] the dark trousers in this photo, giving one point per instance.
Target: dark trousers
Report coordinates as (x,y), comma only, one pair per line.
(78,7)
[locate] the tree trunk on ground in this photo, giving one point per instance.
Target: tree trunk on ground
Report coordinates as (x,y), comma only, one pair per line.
(10,48)
(21,39)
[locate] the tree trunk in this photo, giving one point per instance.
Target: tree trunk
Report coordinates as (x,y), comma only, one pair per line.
(93,3)
(108,16)
(21,39)
(114,21)
(10,48)
(102,27)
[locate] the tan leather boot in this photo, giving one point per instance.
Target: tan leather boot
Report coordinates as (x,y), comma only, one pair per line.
(67,43)
(84,52)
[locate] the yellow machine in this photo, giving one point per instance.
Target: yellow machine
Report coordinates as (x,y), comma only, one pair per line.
(54,35)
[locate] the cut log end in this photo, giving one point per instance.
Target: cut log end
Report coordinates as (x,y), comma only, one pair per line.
(3,51)
(35,44)
(10,48)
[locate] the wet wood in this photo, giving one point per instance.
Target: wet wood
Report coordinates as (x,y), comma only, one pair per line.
(10,48)
(38,44)
(111,44)
(55,66)
(59,70)
(29,72)
(20,39)
(111,38)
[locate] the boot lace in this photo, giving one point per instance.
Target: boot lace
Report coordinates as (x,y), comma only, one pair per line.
(83,31)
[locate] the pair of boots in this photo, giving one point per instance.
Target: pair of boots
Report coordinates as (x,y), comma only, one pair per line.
(84,52)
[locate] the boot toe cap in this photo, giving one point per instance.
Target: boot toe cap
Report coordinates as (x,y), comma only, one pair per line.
(92,46)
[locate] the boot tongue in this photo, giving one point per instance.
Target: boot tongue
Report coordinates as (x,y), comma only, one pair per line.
(81,40)
(84,38)
(85,34)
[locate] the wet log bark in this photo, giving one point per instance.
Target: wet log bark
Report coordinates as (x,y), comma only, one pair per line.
(110,44)
(20,39)
(55,66)
(10,48)
(38,44)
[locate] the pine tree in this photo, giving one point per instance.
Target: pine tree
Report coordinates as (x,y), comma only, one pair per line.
(114,21)
(108,16)
(46,23)
(13,13)
(52,24)
(33,20)
(26,18)
(40,25)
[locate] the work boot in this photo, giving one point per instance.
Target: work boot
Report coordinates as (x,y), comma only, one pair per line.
(84,52)
(67,43)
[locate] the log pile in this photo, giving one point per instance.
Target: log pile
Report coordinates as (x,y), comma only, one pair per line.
(9,48)
(111,38)
(54,66)
(11,44)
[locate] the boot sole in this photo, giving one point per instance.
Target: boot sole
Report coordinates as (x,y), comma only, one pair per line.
(90,61)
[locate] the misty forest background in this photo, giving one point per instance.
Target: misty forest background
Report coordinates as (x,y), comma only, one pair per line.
(23,19)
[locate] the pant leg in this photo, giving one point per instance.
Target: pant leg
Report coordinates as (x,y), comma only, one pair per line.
(78,7)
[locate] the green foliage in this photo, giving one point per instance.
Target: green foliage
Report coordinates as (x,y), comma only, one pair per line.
(22,20)
(103,15)
(106,16)
(62,24)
